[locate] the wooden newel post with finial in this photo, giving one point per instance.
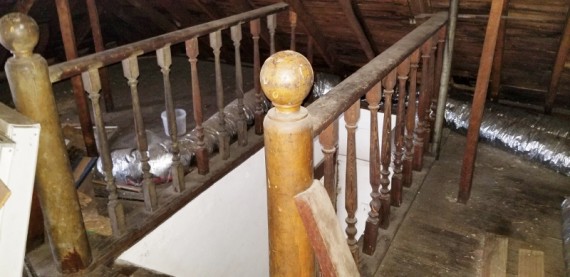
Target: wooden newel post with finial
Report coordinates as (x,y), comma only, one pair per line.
(28,76)
(286,78)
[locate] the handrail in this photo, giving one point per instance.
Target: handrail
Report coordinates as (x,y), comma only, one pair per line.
(329,107)
(74,67)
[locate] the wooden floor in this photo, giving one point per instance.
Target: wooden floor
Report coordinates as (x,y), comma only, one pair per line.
(513,201)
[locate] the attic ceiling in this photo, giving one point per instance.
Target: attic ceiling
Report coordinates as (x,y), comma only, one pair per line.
(346,33)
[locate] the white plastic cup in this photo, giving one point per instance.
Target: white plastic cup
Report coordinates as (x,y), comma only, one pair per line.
(180,122)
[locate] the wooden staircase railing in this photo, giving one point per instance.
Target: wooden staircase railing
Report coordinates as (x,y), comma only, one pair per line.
(21,39)
(386,70)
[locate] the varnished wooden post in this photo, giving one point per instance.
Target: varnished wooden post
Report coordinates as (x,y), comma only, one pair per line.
(27,75)
(255,28)
(202,161)
(272,25)
(99,47)
(92,85)
(422,104)
(478,105)
(397,186)
(68,37)
(241,122)
(131,73)
(410,121)
(329,143)
(223,135)
(293,23)
(351,117)
(372,223)
(287,78)
(389,83)
(164,59)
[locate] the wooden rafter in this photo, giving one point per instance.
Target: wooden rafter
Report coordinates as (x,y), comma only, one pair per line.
(321,43)
(498,60)
(156,17)
(365,41)
(558,66)
(418,7)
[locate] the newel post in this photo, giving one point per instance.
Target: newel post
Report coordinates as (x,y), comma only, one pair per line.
(286,78)
(31,89)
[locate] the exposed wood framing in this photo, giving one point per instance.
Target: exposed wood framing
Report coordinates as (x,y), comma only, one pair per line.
(365,40)
(558,66)
(68,36)
(479,97)
(321,43)
(23,6)
(498,60)
(157,18)
(418,7)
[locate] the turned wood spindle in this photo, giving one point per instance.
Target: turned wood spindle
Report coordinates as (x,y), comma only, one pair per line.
(164,60)
(432,103)
(293,23)
(271,26)
(389,83)
(422,104)
(397,187)
(372,223)
(410,121)
(92,85)
(241,122)
(202,160)
(351,117)
(255,28)
(329,146)
(287,78)
(131,73)
(223,135)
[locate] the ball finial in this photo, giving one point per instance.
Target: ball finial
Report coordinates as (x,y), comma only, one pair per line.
(19,33)
(286,79)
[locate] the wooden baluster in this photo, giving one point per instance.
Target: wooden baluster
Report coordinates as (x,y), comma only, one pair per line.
(272,25)
(92,85)
(293,22)
(329,143)
(351,117)
(389,83)
(255,28)
(131,73)
(411,121)
(200,151)
(242,122)
(396,190)
(223,136)
(372,223)
(164,59)
(423,102)
(431,102)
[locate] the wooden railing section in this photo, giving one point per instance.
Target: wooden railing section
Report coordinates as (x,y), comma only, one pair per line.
(158,207)
(392,72)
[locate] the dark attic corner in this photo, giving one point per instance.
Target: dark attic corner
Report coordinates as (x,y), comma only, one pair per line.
(294,138)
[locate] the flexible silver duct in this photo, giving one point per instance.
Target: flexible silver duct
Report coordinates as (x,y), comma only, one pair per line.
(539,137)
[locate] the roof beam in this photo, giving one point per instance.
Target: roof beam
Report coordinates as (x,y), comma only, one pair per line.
(558,66)
(159,19)
(356,23)
(321,43)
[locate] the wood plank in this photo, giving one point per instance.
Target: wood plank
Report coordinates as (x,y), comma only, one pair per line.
(495,256)
(356,24)
(324,231)
(531,263)
(480,94)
